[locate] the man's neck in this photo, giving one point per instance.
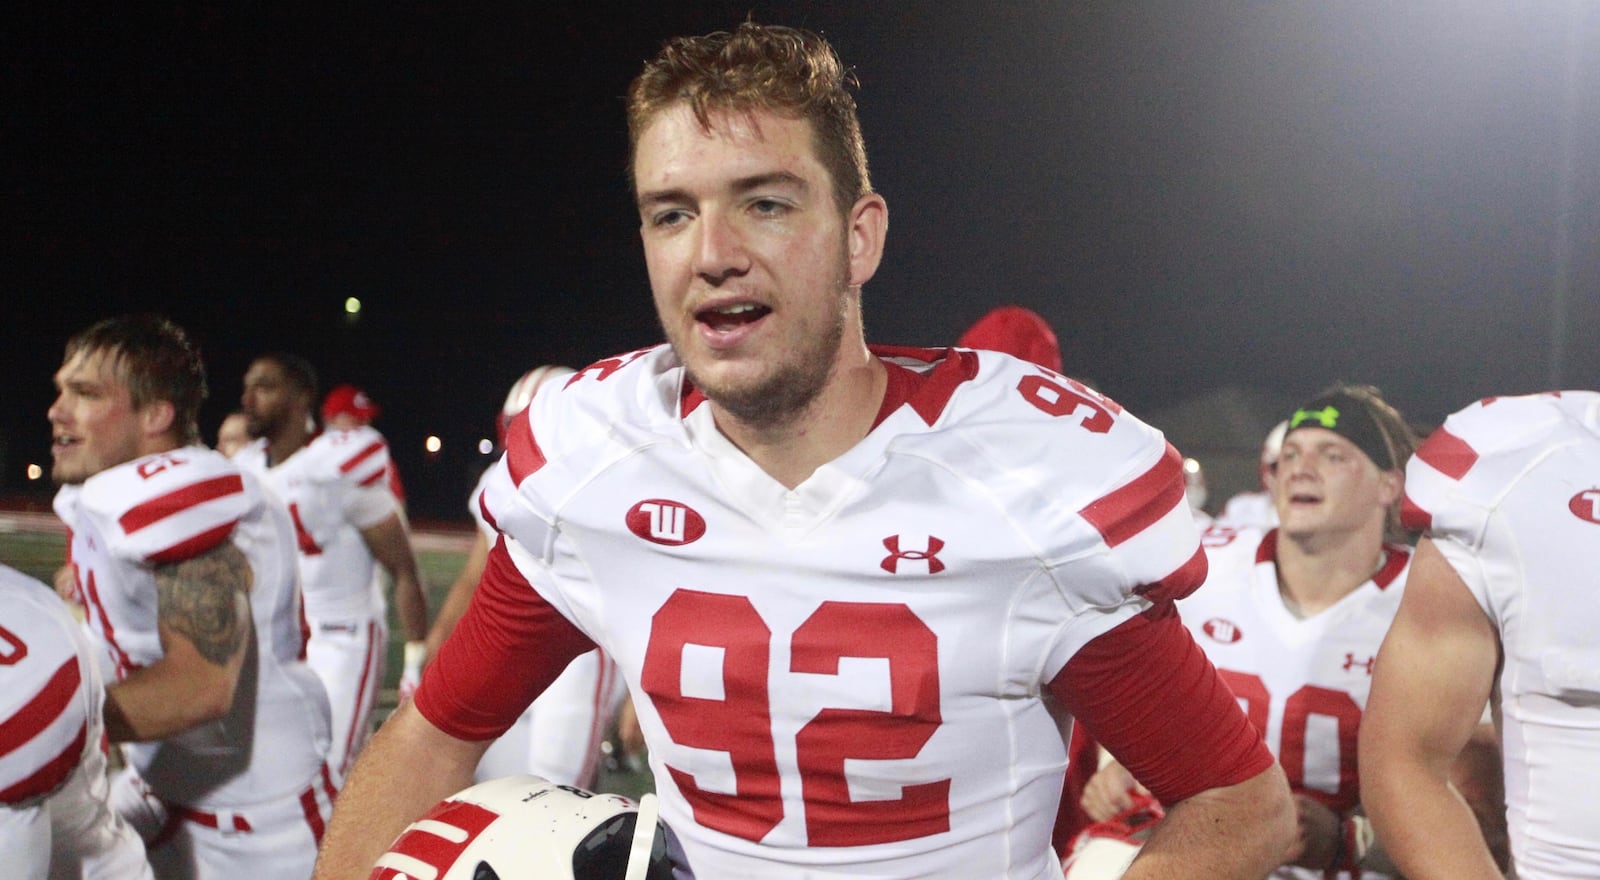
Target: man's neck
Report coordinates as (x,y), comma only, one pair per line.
(1314,572)
(844,412)
(294,435)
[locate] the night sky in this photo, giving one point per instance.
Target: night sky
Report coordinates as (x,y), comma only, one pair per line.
(1268,195)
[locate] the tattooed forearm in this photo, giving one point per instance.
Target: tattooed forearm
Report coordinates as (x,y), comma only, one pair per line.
(206,599)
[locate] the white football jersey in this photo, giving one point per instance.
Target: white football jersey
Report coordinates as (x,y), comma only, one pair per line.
(1509,490)
(1302,681)
(165,508)
(334,487)
(54,817)
(845,679)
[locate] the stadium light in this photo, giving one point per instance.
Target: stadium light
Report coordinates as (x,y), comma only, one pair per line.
(352,306)
(485,446)
(35,472)
(432,444)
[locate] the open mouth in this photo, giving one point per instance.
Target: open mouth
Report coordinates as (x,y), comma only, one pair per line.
(731,317)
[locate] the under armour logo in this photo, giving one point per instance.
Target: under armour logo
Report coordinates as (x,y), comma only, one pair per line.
(1350,662)
(1327,417)
(891,563)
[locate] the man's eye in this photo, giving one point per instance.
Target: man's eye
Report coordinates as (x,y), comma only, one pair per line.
(668,218)
(769,207)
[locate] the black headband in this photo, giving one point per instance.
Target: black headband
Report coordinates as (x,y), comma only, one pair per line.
(1351,418)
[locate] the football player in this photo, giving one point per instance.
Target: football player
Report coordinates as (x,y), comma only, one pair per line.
(1502,602)
(858,593)
(55,821)
(186,565)
(347,522)
(558,736)
(1293,616)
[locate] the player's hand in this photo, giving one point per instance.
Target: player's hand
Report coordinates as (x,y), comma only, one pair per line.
(411,672)
(1317,837)
(1110,791)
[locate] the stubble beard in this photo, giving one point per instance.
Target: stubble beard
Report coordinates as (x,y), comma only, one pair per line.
(784,395)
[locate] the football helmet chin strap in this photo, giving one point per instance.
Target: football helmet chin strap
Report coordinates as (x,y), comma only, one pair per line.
(644,837)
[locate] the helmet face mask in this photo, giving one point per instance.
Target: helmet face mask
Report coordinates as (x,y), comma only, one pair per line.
(524,827)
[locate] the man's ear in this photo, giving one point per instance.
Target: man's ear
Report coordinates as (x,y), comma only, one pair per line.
(156,418)
(868,224)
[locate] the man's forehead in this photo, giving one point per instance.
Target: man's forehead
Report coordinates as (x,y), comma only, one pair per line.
(674,138)
(264,370)
(91,365)
(1312,436)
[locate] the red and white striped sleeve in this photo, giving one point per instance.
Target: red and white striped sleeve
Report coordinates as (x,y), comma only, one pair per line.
(170,507)
(44,712)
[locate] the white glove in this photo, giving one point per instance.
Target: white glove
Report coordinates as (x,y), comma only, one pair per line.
(411,671)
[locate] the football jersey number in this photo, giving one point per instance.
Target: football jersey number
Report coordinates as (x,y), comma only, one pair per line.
(739,722)
(1067,397)
(1309,700)
(12,648)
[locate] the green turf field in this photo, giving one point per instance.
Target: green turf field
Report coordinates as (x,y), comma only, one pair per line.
(40,552)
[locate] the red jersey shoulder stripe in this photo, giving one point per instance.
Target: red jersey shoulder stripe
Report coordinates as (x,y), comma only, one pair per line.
(1180,583)
(1412,517)
(1394,562)
(355,461)
(1448,454)
(194,546)
(523,454)
(41,711)
(49,777)
(1133,508)
(178,500)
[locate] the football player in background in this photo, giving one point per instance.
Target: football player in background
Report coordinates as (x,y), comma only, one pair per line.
(55,821)
(1293,617)
(849,587)
(1502,602)
(346,521)
(187,567)
(233,434)
(558,736)
(346,408)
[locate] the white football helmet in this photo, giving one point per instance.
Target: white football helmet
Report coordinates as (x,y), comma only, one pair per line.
(522,392)
(1104,850)
(527,828)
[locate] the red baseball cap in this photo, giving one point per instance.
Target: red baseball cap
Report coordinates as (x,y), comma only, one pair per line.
(349,399)
(1017,331)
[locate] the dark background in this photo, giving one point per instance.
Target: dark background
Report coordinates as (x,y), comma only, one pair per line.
(1266,195)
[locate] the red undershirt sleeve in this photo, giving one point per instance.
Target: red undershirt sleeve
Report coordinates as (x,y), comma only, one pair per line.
(507,648)
(1148,693)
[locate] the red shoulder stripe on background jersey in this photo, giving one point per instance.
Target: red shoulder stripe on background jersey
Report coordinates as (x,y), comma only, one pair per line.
(41,711)
(194,546)
(179,500)
(91,590)
(380,475)
(355,461)
(1448,454)
(1394,562)
(1412,517)
(523,454)
(1180,583)
(1133,508)
(49,777)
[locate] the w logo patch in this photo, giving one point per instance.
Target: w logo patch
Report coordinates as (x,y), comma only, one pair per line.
(666,522)
(897,555)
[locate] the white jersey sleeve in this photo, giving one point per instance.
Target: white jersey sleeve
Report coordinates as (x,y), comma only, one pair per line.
(55,820)
(45,701)
(1509,491)
(356,460)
